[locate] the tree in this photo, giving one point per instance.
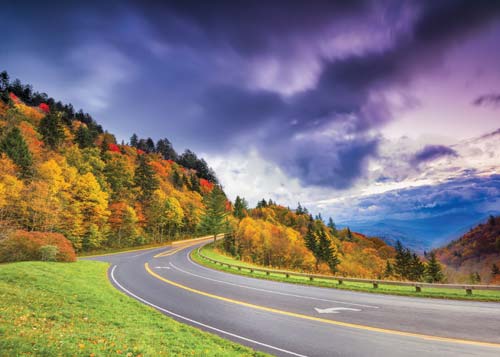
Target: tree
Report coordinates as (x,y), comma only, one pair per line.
(389,269)
(84,137)
(214,220)
(145,179)
(417,268)
(332,226)
(433,270)
(177,179)
(240,208)
(52,130)
(261,204)
(14,145)
(491,220)
(166,150)
(134,140)
(403,261)
(495,270)
(311,242)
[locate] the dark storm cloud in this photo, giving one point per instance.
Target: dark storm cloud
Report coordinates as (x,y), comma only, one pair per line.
(184,69)
(488,100)
(432,152)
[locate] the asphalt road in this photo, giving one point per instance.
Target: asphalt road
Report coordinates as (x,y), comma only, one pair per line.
(292,320)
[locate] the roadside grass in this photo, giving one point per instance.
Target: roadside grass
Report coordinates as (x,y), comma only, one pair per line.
(71,309)
(441,293)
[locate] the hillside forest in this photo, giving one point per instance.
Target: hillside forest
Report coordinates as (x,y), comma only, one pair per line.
(67,185)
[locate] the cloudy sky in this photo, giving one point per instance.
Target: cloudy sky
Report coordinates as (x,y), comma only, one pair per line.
(363,110)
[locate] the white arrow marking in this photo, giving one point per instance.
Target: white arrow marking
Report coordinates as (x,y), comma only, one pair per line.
(162,267)
(334,310)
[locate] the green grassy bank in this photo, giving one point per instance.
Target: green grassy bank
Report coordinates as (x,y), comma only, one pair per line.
(71,309)
(209,251)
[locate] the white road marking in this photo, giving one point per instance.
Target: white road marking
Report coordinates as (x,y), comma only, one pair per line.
(199,323)
(334,310)
(271,291)
(162,267)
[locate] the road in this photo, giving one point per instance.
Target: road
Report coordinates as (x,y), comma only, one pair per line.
(293,320)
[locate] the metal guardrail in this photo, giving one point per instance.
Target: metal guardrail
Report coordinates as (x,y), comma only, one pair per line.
(375,282)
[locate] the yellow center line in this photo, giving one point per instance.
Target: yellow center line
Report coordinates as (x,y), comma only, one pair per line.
(319,319)
(169,252)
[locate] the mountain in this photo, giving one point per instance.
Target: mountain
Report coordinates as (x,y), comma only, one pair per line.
(421,234)
(474,252)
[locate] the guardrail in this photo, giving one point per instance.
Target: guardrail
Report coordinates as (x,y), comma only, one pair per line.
(375,282)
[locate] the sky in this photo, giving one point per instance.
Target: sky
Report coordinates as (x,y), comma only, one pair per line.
(366,111)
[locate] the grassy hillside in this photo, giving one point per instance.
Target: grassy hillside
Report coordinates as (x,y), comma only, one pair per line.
(65,309)
(472,256)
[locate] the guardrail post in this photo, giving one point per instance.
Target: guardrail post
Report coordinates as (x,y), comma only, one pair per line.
(418,289)
(267,273)
(251,270)
(239,268)
(468,291)
(340,282)
(287,275)
(375,285)
(311,278)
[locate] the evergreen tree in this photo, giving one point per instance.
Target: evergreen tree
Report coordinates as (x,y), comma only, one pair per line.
(145,179)
(495,270)
(52,130)
(214,219)
(134,140)
(327,252)
(165,149)
(311,243)
(333,228)
(389,270)
(433,270)
(417,268)
(349,234)
(240,207)
(299,209)
(177,179)
(84,137)
(17,150)
(150,145)
(262,203)
(403,261)
(195,183)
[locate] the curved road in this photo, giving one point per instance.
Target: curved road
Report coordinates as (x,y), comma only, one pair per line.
(292,320)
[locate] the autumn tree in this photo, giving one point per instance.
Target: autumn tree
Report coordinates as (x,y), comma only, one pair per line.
(433,270)
(15,147)
(214,219)
(84,137)
(52,130)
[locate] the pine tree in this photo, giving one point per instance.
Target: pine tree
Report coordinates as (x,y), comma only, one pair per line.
(240,207)
(333,228)
(495,270)
(145,179)
(17,150)
(177,179)
(84,137)
(165,148)
(311,242)
(195,183)
(403,261)
(389,270)
(52,130)
(214,219)
(433,270)
(134,140)
(417,268)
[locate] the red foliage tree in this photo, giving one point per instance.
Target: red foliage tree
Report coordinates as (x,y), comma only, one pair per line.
(114,148)
(14,98)
(44,108)
(23,245)
(206,186)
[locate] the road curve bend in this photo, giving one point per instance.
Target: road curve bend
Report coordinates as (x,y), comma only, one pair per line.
(293,320)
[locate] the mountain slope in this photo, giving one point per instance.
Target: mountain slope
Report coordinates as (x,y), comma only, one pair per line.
(475,252)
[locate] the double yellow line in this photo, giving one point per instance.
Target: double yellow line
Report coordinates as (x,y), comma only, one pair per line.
(319,319)
(170,252)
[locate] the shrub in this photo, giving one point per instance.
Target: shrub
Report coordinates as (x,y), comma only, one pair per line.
(22,245)
(49,253)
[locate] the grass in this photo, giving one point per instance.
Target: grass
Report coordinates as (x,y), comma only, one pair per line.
(71,309)
(442,293)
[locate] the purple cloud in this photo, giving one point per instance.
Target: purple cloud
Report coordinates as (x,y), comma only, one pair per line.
(433,152)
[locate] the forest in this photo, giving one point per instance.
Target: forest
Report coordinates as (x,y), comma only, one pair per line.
(64,178)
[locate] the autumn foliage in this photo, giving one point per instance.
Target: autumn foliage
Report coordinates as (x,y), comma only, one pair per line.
(44,107)
(23,245)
